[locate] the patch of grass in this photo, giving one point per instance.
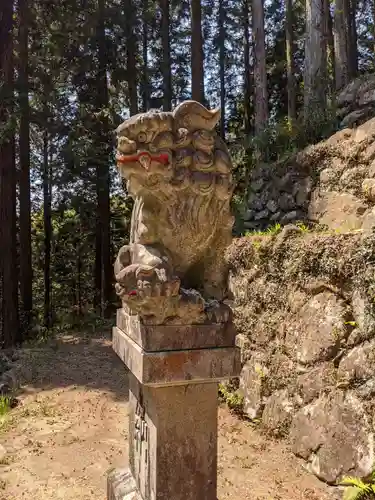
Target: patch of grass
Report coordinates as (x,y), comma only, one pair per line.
(5,405)
(39,409)
(232,398)
(303,227)
(357,489)
(270,231)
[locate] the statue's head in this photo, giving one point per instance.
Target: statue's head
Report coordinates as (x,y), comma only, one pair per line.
(178,149)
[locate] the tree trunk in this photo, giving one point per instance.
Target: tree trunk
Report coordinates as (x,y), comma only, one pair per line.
(197,81)
(330,48)
(145,78)
(47,229)
(131,51)
(103,252)
(8,227)
(26,274)
(166,61)
(291,81)
(222,65)
(352,38)
(315,61)
(79,268)
(260,74)
(247,68)
(340,35)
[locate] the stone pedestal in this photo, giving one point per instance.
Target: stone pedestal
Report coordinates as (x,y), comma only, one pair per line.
(173,402)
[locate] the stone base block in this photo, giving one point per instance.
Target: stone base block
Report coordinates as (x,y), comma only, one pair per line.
(153,338)
(176,367)
(121,485)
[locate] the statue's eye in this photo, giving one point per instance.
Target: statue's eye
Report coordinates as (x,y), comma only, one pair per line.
(142,137)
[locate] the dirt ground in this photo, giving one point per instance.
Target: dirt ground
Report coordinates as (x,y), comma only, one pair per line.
(71,427)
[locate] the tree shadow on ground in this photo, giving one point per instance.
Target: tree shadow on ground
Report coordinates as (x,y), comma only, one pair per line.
(76,359)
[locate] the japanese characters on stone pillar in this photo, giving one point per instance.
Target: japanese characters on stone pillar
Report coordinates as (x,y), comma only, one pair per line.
(174,331)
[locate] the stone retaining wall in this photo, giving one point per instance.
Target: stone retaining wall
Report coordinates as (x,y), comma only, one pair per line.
(278,193)
(305,303)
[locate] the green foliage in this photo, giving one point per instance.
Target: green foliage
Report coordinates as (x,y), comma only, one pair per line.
(232,397)
(358,489)
(282,139)
(5,406)
(270,231)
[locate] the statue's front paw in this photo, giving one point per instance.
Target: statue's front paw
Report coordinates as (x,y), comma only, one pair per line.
(156,284)
(217,312)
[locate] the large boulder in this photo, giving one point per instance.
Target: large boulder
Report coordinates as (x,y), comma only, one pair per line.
(335,436)
(356,102)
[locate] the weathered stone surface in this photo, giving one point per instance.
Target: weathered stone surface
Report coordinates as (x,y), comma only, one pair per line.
(296,299)
(355,118)
(292,216)
(276,216)
(272,206)
(328,175)
(286,182)
(286,202)
(257,185)
(323,313)
(263,214)
(181,438)
(304,191)
(358,364)
(121,485)
(174,161)
(176,367)
(250,225)
(249,215)
(311,385)
(363,313)
(278,412)
(175,337)
(334,434)
(252,386)
(243,343)
(257,204)
(337,210)
(5,363)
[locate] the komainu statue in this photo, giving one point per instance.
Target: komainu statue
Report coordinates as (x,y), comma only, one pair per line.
(179,172)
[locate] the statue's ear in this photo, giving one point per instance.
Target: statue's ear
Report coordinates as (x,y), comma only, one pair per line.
(194,116)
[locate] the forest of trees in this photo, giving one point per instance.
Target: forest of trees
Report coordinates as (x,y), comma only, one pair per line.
(71,71)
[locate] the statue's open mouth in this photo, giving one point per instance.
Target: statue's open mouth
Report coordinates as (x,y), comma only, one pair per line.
(144,158)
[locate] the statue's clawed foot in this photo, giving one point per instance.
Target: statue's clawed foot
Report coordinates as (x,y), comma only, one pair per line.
(218,312)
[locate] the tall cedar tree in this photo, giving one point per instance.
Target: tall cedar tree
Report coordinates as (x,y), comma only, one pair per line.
(47,217)
(341,43)
(8,253)
(315,61)
(166,56)
(222,55)
(103,267)
(131,54)
(352,38)
(247,66)
(26,274)
(197,56)
(260,72)
(291,82)
(145,85)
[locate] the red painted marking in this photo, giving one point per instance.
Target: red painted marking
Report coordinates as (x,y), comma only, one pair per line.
(162,158)
(132,293)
